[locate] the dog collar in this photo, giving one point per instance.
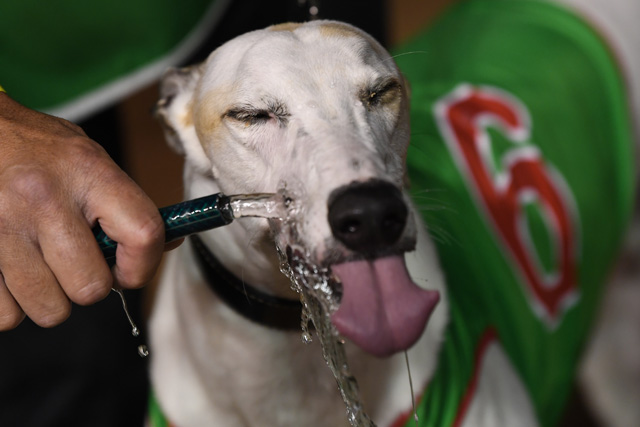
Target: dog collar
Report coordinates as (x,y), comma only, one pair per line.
(253,304)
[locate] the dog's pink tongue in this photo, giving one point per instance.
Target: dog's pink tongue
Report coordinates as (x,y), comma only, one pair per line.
(382,310)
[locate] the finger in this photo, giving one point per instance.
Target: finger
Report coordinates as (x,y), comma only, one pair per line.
(73,255)
(130,218)
(172,245)
(11,315)
(32,284)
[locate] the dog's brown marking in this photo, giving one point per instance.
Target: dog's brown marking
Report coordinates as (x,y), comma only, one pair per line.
(187,117)
(335,29)
(287,26)
(209,113)
(332,29)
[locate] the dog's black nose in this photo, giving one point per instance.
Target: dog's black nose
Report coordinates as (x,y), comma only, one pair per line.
(367,216)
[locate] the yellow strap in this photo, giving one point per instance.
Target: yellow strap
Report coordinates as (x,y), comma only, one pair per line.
(2,89)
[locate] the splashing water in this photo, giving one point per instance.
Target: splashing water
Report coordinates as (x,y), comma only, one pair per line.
(319,299)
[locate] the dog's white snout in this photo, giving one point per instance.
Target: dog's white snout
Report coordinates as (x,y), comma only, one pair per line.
(367,217)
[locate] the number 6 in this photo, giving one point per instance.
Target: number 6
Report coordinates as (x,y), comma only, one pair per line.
(463,117)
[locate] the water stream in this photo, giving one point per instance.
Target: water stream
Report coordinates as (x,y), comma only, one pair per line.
(318,294)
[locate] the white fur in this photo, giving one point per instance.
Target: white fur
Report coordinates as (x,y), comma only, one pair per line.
(212,367)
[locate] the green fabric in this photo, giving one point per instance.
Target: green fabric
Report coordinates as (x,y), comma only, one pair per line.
(53,51)
(560,69)
(156,416)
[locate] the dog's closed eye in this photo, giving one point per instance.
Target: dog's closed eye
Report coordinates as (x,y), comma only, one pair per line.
(381,93)
(249,115)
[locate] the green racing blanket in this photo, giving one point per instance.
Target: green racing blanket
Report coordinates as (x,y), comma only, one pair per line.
(72,57)
(521,164)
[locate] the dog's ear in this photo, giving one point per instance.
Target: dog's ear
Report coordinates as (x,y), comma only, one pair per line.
(173,109)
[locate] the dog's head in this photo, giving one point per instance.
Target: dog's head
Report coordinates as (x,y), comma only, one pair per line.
(319,112)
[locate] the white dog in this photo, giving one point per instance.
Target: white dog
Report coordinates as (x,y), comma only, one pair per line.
(318,112)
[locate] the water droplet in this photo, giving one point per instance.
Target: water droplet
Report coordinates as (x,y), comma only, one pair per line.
(143,351)
(307,338)
(344,370)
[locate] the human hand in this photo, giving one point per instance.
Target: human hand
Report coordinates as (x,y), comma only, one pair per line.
(55,185)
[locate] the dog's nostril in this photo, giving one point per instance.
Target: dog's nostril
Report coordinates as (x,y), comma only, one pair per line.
(367,217)
(392,219)
(350,226)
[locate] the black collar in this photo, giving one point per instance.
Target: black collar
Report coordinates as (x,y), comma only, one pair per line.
(255,305)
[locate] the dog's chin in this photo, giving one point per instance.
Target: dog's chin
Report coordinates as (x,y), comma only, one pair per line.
(375,304)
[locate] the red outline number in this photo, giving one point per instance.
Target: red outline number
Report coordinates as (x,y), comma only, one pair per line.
(463,117)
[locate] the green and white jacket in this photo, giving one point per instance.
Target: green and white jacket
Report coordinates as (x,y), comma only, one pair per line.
(123,46)
(521,161)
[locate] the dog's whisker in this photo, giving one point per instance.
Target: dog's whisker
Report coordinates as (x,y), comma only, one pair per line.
(423,52)
(440,235)
(434,208)
(436,232)
(422,192)
(424,208)
(430,204)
